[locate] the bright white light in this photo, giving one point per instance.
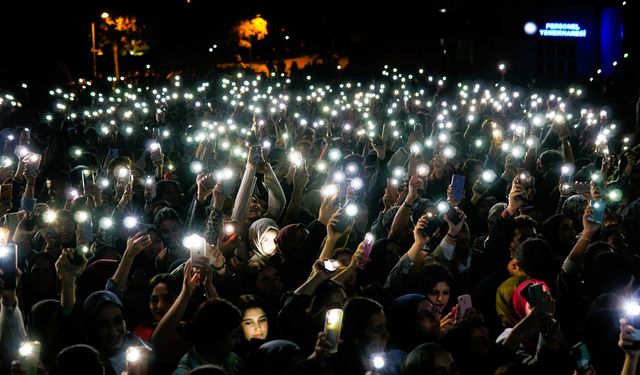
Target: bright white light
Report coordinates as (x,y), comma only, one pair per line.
(105,223)
(130,222)
(489,176)
(196,167)
(357,183)
(133,354)
(330,190)
(378,362)
(530,28)
(81,216)
(351,210)
(442,207)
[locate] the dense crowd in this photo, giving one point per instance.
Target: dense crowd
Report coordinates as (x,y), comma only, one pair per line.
(283,225)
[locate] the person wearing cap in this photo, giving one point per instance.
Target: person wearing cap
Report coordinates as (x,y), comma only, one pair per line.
(107,330)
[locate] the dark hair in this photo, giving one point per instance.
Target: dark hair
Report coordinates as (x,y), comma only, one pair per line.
(357,313)
(162,185)
(550,158)
(322,294)
(422,359)
(166,213)
(208,370)
(249,301)
(213,320)
(79,359)
(535,257)
(172,282)
(429,276)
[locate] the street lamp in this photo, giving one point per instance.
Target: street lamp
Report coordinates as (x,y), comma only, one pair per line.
(94,50)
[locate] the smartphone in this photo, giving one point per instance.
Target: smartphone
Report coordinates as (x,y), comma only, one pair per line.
(229,232)
(331,265)
(527,182)
(535,293)
(33,162)
(30,356)
(6,192)
(137,358)
(9,265)
(368,245)
(457,187)
(433,223)
(87,178)
(453,215)
(598,207)
(209,182)
(332,328)
(580,354)
(256,155)
(155,152)
(348,212)
(464,304)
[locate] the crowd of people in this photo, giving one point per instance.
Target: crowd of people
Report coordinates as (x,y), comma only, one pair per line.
(284,225)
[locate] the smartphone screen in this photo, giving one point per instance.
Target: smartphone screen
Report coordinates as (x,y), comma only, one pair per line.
(598,208)
(457,187)
(464,303)
(9,265)
(580,354)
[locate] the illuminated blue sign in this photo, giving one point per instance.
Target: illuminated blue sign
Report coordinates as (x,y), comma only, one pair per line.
(563,30)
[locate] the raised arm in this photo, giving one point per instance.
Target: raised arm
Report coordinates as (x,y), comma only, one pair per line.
(401,220)
(135,245)
(277,199)
(300,181)
(68,273)
(167,329)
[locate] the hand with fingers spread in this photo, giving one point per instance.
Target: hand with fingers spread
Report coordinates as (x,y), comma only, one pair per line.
(191,277)
(328,208)
(137,243)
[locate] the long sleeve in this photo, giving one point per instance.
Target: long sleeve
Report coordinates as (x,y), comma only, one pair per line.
(398,275)
(12,332)
(212,229)
(376,188)
(241,206)
(277,199)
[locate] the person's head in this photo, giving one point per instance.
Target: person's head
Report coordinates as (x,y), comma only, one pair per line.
(534,258)
(256,209)
(291,238)
(255,324)
(42,273)
(215,328)
(429,358)
(560,232)
(264,280)
(329,295)
(435,281)
(364,325)
(262,237)
(169,225)
(276,357)
(78,359)
(524,228)
(105,322)
(170,191)
(548,160)
(45,322)
(65,227)
(494,214)
(164,289)
(574,208)
(411,320)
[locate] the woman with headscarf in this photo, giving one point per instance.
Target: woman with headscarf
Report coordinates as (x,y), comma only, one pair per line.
(262,236)
(46,325)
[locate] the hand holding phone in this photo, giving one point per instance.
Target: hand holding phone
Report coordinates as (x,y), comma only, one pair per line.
(580,354)
(598,207)
(9,266)
(464,304)
(457,187)
(366,250)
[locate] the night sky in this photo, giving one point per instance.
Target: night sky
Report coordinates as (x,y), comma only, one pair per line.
(401,32)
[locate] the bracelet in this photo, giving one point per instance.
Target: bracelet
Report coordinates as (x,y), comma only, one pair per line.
(584,238)
(407,204)
(451,235)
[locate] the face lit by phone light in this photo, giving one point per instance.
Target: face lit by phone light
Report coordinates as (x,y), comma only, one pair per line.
(268,242)
(255,209)
(439,295)
(255,324)
(109,329)
(160,301)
